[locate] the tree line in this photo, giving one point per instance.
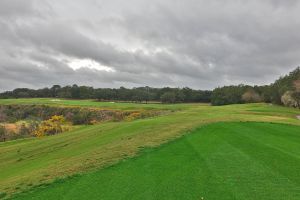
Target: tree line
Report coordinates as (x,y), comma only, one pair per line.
(284,91)
(141,94)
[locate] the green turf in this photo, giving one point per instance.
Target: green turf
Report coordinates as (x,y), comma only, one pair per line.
(218,161)
(30,162)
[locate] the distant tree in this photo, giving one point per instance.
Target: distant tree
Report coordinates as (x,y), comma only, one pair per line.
(168,97)
(124,94)
(288,100)
(228,95)
(202,96)
(65,92)
(45,92)
(283,85)
(86,92)
(55,90)
(296,97)
(140,94)
(75,92)
(250,96)
(180,96)
(146,94)
(105,94)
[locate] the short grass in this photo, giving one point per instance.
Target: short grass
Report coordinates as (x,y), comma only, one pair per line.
(231,160)
(29,162)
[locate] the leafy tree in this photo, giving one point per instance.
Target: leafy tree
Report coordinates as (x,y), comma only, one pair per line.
(288,100)
(228,95)
(168,97)
(251,96)
(124,94)
(284,84)
(55,90)
(180,96)
(65,92)
(75,92)
(296,97)
(85,92)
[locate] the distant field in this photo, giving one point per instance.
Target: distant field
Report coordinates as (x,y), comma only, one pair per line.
(219,161)
(34,161)
(93,103)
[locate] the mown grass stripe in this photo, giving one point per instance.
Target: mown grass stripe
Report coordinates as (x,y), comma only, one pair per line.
(218,161)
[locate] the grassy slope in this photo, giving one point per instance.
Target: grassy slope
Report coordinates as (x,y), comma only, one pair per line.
(24,163)
(219,161)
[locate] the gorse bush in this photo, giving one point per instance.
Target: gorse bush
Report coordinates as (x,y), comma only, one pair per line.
(52,126)
(140,115)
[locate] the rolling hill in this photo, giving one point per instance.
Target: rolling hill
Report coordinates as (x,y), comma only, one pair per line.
(31,165)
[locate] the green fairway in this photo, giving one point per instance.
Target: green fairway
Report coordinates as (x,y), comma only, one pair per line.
(218,161)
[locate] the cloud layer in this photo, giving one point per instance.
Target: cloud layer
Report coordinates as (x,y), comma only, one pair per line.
(196,43)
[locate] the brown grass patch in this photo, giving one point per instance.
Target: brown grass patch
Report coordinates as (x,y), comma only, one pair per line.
(11,127)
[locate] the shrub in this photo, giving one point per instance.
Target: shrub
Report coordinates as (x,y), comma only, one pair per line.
(81,117)
(133,116)
(24,130)
(118,116)
(51,126)
(2,133)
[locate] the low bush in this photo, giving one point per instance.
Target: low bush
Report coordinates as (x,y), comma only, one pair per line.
(21,121)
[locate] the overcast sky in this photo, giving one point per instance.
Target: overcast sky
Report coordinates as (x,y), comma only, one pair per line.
(197,43)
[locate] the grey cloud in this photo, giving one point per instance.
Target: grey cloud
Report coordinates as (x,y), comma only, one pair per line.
(196,43)
(16,7)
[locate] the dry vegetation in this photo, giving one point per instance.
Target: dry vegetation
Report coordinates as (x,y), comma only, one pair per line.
(21,121)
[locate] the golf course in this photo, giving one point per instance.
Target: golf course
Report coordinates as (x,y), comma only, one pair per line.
(149,100)
(189,151)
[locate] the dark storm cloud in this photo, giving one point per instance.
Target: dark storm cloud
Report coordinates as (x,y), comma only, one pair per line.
(196,43)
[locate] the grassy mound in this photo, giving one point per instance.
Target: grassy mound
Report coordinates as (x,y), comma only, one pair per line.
(218,161)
